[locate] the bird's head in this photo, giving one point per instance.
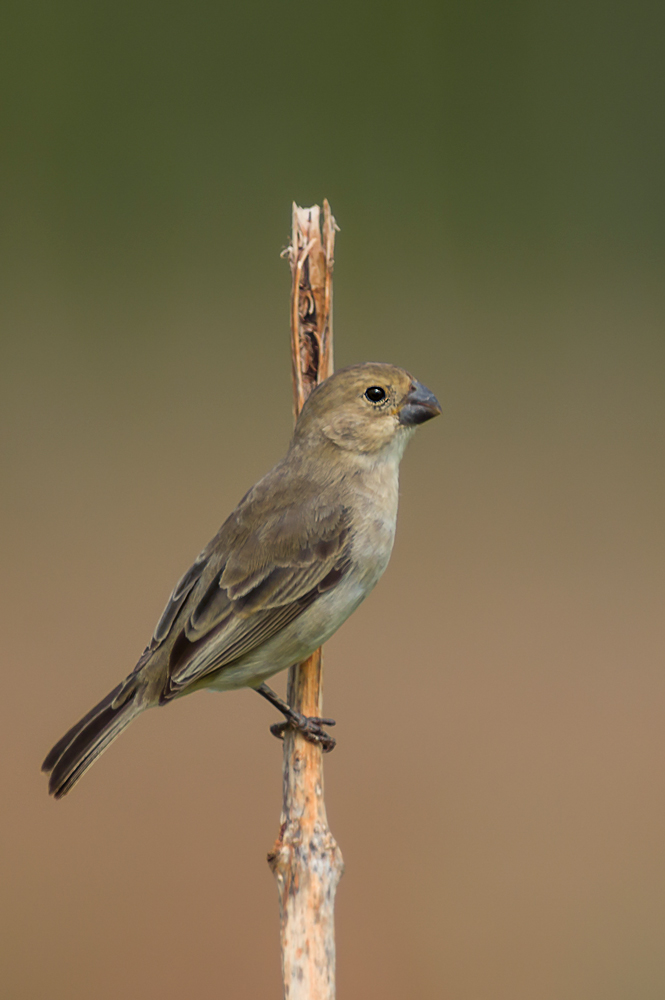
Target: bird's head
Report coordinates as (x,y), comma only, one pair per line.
(366,408)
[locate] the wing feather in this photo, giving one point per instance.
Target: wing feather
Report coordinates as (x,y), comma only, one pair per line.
(180,593)
(250,584)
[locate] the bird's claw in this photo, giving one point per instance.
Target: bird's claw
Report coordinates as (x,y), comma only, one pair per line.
(311,728)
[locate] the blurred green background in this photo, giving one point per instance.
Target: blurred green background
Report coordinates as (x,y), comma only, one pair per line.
(498,789)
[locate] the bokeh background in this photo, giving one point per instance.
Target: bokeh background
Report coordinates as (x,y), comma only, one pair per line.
(499,785)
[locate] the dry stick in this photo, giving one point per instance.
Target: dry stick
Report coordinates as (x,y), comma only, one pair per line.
(306,860)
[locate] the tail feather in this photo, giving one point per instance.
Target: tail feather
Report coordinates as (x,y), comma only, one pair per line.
(72,733)
(80,747)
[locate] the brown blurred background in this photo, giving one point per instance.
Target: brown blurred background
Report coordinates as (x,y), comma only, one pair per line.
(499,786)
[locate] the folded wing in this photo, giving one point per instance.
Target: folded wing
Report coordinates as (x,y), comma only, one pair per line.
(254,579)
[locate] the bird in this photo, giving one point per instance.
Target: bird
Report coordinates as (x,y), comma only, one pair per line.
(294,559)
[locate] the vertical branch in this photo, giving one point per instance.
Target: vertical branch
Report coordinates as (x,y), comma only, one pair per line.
(306,860)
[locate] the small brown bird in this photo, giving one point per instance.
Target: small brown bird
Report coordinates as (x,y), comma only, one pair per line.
(296,557)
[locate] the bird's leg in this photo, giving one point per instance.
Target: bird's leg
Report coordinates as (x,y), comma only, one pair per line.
(310,726)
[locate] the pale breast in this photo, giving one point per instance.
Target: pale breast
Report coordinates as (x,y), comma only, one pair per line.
(375,518)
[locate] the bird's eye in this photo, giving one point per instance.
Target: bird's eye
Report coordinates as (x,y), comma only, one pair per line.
(375,394)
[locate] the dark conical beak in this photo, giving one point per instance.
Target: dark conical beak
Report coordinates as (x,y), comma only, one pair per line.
(420,405)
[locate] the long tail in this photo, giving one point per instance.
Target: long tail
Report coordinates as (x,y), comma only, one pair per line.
(71,757)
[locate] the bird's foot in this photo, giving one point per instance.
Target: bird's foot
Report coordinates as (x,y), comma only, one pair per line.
(311,727)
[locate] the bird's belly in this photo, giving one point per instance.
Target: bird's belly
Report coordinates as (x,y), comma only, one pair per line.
(300,638)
